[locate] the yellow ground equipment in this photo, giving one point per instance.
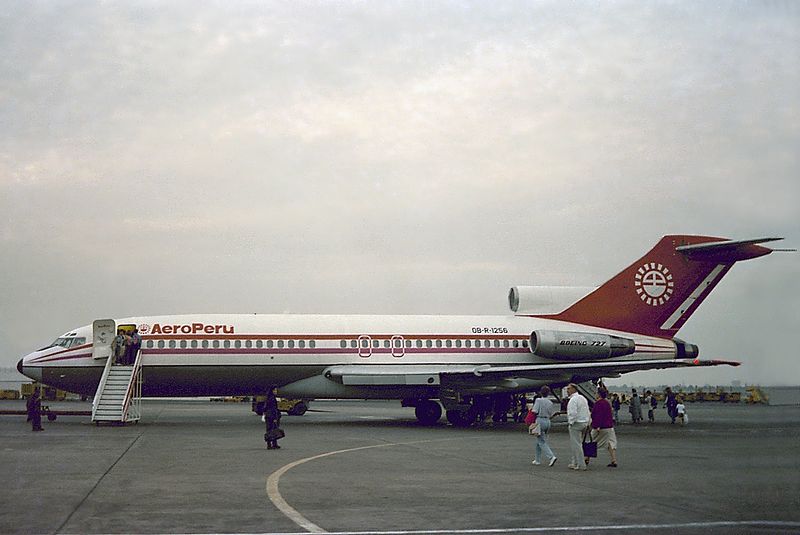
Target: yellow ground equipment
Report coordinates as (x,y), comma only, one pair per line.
(292,407)
(48,393)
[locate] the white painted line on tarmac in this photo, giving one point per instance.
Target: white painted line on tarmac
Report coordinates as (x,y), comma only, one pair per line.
(274,478)
(621,527)
(721,524)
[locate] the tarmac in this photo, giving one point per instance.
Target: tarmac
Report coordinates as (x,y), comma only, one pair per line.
(368,467)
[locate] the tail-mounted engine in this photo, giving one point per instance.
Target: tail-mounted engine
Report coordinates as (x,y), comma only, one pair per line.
(563,345)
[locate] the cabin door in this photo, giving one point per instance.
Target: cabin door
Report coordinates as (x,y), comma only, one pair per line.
(103,332)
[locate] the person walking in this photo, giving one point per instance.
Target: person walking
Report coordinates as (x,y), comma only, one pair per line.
(34,406)
(671,404)
(603,427)
(134,344)
(651,414)
(578,418)
(680,411)
(119,347)
(615,404)
(544,409)
(272,416)
(635,408)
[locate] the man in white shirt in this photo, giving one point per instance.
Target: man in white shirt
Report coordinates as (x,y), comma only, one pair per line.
(578,417)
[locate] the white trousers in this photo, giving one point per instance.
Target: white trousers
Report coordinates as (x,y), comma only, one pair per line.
(576,443)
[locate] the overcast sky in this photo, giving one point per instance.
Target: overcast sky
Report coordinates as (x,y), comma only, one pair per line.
(393,158)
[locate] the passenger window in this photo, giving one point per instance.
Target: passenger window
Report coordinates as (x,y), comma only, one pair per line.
(376,343)
(248,344)
(438,343)
(408,343)
(364,342)
(524,343)
(343,344)
(497,343)
(194,344)
(312,344)
(449,343)
(290,344)
(516,343)
(419,344)
(172,344)
(301,344)
(353,344)
(259,344)
(226,344)
(161,344)
(150,344)
(477,343)
(270,344)
(237,344)
(183,344)
(280,344)
(216,344)
(386,344)
(205,344)
(458,343)
(428,343)
(505,343)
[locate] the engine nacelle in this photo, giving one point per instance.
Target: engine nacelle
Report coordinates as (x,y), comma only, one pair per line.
(563,345)
(544,299)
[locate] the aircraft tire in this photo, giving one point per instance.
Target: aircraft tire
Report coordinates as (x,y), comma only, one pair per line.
(428,411)
(299,409)
(462,418)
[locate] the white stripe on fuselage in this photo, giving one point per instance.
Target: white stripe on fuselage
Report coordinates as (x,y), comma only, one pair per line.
(327,333)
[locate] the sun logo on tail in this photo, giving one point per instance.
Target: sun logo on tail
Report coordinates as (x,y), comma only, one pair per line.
(654,284)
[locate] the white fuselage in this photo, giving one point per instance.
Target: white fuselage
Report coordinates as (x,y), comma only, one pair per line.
(216,354)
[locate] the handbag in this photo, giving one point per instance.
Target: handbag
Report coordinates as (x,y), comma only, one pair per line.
(274,434)
(530,418)
(590,447)
(534,429)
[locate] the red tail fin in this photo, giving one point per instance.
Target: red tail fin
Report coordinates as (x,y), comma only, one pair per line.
(657,294)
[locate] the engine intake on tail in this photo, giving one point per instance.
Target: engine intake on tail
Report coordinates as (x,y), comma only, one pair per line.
(563,345)
(544,299)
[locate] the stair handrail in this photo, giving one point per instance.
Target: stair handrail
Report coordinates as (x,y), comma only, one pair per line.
(134,390)
(101,386)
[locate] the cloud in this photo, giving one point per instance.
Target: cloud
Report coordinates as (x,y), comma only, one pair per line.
(388,158)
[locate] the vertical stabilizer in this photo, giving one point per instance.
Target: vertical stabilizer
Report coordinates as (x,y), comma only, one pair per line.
(656,294)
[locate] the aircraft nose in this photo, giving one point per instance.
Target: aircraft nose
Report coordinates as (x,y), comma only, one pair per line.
(34,373)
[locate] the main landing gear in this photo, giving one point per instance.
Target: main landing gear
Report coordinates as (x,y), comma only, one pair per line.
(428,411)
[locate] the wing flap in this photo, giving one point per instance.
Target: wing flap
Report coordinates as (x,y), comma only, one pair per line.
(409,374)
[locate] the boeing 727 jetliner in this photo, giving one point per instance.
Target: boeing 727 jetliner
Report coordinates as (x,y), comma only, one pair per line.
(554,336)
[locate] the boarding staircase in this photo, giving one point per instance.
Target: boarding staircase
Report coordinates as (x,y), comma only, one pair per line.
(119,395)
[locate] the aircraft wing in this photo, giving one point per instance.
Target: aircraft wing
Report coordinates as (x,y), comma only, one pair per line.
(410,374)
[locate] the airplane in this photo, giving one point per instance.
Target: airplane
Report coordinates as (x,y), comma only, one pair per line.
(554,336)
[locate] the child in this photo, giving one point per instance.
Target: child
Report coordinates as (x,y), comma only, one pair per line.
(681,408)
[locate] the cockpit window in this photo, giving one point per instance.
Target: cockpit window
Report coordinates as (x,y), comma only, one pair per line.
(68,342)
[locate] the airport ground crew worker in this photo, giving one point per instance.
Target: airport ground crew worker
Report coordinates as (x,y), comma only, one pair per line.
(34,406)
(272,416)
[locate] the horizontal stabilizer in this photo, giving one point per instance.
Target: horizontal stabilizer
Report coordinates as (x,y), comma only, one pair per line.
(727,250)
